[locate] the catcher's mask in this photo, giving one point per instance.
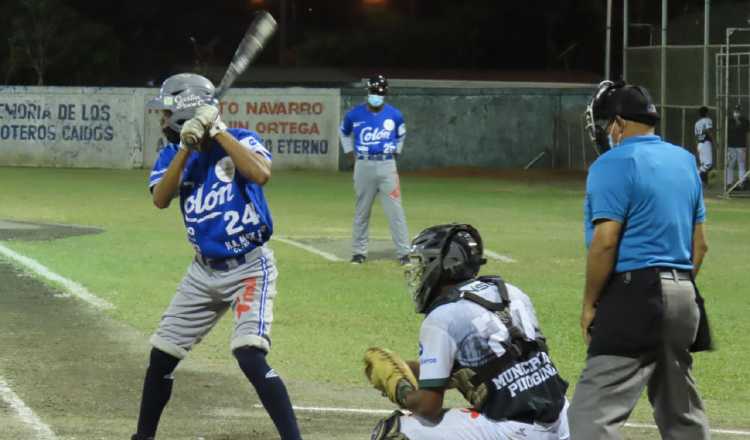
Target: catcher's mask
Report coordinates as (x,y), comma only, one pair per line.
(613,99)
(442,255)
(181,94)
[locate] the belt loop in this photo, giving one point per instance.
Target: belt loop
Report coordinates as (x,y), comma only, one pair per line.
(674,274)
(627,277)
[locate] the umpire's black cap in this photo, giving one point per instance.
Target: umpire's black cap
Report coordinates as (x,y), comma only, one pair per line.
(630,102)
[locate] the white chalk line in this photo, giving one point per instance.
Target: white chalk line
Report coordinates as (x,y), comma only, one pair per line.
(499,257)
(325,409)
(70,286)
(24,413)
(715,431)
(338,410)
(328,256)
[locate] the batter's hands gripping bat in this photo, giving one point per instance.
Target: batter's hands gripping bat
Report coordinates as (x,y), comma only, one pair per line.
(257,35)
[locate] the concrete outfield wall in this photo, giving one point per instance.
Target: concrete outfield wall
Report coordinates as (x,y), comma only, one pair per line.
(299,126)
(71,127)
(498,126)
(486,127)
(86,127)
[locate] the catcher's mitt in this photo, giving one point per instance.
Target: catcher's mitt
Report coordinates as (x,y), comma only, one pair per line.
(388,373)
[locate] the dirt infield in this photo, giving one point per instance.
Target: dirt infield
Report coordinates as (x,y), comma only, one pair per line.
(80,372)
(28,231)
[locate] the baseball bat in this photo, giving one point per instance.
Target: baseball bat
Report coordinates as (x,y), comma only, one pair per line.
(257,35)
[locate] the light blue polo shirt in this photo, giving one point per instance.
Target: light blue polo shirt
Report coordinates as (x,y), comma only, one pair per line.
(652,188)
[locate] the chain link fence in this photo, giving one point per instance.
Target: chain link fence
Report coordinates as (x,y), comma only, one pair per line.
(695,75)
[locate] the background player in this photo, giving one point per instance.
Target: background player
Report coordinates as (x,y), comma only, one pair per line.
(738,137)
(375,132)
(482,336)
(219,183)
(704,135)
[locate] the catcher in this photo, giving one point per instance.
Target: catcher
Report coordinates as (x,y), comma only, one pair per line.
(481,336)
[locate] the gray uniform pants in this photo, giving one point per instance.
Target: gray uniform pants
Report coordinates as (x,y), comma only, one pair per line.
(206,294)
(373,177)
(610,386)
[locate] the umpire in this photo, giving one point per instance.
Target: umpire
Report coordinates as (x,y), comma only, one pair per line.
(641,311)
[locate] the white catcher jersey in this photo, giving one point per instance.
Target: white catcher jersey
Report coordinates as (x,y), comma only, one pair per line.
(469,334)
(702,126)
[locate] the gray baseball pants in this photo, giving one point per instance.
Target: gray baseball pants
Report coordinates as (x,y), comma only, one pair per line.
(610,386)
(371,178)
(205,295)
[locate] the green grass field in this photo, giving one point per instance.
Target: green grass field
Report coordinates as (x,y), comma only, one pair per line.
(328,313)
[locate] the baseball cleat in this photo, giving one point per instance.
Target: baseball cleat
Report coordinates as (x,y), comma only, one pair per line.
(358,259)
(404,260)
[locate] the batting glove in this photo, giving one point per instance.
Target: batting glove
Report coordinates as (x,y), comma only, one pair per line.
(191,134)
(208,115)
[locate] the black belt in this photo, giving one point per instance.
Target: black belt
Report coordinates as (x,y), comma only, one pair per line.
(665,273)
(374,156)
(222,263)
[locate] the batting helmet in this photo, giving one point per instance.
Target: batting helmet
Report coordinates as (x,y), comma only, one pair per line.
(377,85)
(181,94)
(613,99)
(442,255)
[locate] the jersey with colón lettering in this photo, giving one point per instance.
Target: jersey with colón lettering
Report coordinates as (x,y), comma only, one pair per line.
(373,133)
(225,214)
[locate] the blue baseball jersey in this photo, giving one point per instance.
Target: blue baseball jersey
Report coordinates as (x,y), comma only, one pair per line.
(224,213)
(374,133)
(653,189)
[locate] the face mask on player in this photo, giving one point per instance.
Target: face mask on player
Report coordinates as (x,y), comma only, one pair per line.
(375,100)
(172,136)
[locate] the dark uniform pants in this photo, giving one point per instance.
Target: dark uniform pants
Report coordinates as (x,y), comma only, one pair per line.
(611,384)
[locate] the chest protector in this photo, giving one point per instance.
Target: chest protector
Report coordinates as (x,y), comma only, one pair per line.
(522,384)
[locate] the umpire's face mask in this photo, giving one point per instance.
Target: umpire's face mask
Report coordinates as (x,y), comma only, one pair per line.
(597,123)
(613,138)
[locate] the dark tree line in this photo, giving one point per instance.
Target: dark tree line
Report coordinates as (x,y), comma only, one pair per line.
(94,42)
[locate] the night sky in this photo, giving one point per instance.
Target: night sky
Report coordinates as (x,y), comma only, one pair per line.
(86,42)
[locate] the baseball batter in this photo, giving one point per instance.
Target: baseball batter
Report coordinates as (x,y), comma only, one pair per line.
(704,135)
(374,132)
(481,336)
(219,182)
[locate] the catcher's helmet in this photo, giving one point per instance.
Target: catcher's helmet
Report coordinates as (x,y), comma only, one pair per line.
(182,94)
(377,85)
(442,255)
(612,99)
